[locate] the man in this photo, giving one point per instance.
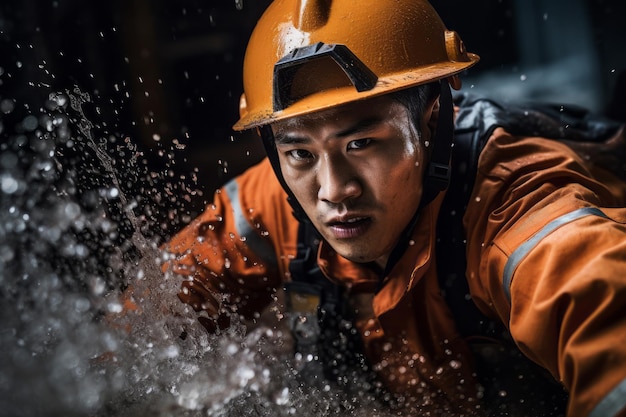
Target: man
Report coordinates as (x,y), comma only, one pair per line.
(353,105)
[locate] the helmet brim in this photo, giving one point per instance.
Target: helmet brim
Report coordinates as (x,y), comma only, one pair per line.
(343,95)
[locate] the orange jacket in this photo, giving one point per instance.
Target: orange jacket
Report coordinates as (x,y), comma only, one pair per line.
(546,246)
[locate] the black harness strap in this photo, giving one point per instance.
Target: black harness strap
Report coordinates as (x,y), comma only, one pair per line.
(474,126)
(322,323)
(512,384)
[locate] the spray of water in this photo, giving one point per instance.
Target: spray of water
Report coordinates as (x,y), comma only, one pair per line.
(79,226)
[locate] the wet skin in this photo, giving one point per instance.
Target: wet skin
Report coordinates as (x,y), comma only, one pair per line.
(357,172)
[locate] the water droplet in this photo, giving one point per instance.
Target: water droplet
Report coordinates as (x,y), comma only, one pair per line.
(231,349)
(30,123)
(115,307)
(282,398)
(7,105)
(8,184)
(455,364)
(113,193)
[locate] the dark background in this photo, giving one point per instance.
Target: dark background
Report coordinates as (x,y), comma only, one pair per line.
(169,71)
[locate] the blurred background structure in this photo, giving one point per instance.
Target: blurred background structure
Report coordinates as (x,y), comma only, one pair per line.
(169,71)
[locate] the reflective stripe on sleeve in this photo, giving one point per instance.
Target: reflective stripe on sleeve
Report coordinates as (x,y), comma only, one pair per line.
(612,403)
(524,249)
(259,246)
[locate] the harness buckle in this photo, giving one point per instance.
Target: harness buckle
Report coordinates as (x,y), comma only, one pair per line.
(303,303)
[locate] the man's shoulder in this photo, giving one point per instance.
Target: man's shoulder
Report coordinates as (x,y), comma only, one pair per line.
(259,178)
(257,187)
(536,119)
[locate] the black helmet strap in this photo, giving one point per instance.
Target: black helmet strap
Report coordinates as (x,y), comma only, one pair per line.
(437,175)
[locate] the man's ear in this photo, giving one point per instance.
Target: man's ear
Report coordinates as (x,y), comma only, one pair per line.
(455,82)
(431,117)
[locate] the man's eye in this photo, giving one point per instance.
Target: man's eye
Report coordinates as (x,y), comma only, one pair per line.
(300,154)
(359,143)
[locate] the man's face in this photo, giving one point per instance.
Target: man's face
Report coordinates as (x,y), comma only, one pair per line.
(357,172)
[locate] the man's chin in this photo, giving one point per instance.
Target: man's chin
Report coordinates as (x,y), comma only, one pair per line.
(356,256)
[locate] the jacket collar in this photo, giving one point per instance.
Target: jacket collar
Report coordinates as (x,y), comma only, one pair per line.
(412,266)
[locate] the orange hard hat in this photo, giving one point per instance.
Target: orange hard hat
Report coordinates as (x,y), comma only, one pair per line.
(309,55)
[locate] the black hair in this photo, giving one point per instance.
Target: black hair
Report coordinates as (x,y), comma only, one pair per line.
(415,99)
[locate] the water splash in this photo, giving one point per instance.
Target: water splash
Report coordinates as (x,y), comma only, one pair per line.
(79,225)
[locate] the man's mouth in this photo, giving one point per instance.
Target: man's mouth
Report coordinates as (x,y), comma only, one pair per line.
(349,227)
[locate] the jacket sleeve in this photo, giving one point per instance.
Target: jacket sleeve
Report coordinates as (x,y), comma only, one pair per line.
(232,255)
(547,255)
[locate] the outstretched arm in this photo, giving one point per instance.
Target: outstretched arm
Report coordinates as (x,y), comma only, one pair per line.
(547,255)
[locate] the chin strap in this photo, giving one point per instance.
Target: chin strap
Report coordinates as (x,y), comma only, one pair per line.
(270,149)
(437,177)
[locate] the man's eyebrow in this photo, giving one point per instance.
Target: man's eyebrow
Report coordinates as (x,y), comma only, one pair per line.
(280,138)
(363,125)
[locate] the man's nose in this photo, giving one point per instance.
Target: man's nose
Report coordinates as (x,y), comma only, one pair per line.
(338,180)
